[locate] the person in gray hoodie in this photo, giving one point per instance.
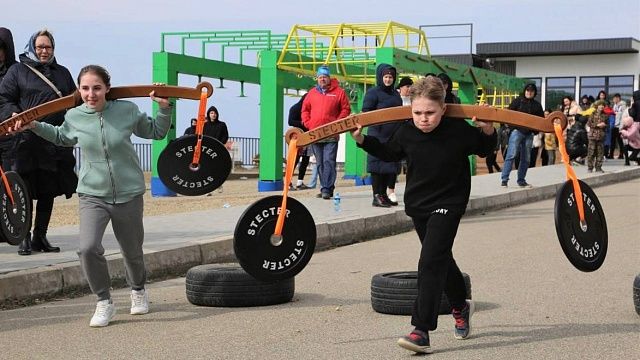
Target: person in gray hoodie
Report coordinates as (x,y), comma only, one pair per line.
(111,182)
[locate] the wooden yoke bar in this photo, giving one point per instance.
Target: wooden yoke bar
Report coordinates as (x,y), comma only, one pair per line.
(482,113)
(121,92)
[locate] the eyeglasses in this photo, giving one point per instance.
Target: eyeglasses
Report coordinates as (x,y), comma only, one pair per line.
(42,48)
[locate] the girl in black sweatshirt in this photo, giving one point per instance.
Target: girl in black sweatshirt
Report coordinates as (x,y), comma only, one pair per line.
(436,195)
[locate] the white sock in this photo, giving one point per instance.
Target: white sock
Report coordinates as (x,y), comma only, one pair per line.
(299,182)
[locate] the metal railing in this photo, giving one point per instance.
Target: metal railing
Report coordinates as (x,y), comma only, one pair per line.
(242,152)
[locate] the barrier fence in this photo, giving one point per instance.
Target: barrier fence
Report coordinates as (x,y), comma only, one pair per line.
(242,151)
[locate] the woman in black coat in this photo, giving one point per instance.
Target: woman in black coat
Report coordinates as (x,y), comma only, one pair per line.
(383,173)
(47,169)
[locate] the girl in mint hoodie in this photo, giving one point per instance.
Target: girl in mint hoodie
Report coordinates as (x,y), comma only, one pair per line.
(111,182)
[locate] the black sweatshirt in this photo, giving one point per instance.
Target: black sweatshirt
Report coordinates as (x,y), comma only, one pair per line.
(438,172)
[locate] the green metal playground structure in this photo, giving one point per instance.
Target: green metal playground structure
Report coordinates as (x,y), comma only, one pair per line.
(289,62)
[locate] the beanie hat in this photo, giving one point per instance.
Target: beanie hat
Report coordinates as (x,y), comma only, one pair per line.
(389,71)
(323,70)
(405,81)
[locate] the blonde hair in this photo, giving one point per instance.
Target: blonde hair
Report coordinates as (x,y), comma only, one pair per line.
(429,87)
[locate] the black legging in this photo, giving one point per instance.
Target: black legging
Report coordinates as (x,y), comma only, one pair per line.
(380,183)
(491,162)
(304,163)
(44,207)
(437,269)
(616,139)
(634,156)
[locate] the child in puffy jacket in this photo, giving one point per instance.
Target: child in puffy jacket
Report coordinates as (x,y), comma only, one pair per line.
(630,131)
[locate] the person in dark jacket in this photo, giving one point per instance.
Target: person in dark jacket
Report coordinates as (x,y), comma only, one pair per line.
(634,109)
(383,173)
(7,59)
(7,51)
(577,142)
(47,169)
(448,88)
(214,127)
(521,139)
(437,192)
(295,119)
(191,129)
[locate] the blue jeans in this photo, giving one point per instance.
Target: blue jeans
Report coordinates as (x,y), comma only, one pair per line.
(326,154)
(523,143)
(314,176)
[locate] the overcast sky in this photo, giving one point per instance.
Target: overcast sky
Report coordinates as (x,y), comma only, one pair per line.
(122,34)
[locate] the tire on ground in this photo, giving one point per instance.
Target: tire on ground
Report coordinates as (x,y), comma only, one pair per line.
(636,293)
(395,292)
(228,285)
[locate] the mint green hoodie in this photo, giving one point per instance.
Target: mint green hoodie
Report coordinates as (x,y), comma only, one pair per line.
(110,168)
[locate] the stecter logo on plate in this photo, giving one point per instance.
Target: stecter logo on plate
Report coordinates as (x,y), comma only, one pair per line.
(584,244)
(268,258)
(178,173)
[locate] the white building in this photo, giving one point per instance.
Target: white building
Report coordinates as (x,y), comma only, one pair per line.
(569,67)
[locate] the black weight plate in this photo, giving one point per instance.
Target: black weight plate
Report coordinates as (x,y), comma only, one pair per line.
(585,248)
(176,172)
(15,220)
(252,239)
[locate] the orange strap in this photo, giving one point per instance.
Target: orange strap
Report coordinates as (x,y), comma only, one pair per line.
(571,175)
(7,186)
(288,174)
(200,128)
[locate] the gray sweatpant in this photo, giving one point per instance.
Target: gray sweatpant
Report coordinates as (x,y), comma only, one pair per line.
(126,221)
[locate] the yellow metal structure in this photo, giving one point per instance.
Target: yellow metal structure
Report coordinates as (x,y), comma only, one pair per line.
(495,97)
(349,49)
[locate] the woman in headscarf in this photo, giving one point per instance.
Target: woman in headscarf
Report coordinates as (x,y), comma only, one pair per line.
(47,169)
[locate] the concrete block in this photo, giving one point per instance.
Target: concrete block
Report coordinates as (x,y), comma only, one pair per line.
(175,261)
(73,278)
(517,197)
(323,237)
(345,232)
(32,283)
(379,226)
(403,222)
(218,250)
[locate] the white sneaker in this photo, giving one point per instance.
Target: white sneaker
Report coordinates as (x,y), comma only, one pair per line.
(392,196)
(139,302)
(105,311)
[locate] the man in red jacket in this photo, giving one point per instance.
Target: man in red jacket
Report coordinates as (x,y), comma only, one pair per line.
(323,104)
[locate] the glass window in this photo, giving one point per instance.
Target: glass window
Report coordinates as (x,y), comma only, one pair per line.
(557,88)
(621,80)
(538,82)
(561,82)
(592,81)
(591,85)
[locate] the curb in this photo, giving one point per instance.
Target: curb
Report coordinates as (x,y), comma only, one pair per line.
(50,281)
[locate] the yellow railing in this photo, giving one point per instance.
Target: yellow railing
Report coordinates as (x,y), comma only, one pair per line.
(349,49)
(495,97)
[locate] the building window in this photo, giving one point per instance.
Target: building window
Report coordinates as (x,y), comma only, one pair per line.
(591,86)
(538,82)
(556,89)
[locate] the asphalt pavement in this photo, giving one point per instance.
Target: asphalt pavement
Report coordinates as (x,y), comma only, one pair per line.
(174,243)
(531,303)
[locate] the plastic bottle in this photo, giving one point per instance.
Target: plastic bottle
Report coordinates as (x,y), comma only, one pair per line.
(336,202)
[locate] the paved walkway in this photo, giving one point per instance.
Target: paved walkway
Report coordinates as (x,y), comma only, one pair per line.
(174,243)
